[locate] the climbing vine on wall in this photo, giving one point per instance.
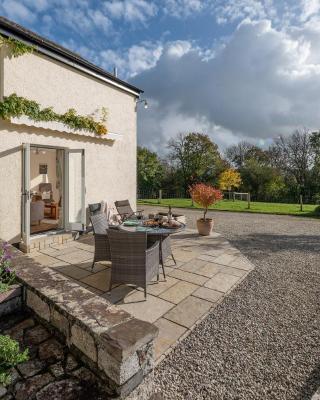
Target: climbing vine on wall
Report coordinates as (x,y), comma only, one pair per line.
(17,106)
(17,48)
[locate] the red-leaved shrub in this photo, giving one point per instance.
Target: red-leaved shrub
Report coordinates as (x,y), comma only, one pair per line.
(205,196)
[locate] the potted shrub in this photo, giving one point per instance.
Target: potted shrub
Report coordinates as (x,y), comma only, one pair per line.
(205,196)
(10,293)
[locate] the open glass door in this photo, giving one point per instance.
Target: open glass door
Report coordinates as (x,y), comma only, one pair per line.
(75,211)
(26,197)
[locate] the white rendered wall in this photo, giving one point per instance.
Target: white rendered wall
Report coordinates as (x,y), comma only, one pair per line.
(110,167)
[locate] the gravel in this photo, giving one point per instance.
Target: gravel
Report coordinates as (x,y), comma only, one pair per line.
(262,341)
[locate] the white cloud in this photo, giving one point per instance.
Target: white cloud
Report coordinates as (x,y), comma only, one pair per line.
(17,11)
(183,8)
(37,5)
(262,83)
(179,48)
(100,20)
(131,10)
(309,9)
(132,61)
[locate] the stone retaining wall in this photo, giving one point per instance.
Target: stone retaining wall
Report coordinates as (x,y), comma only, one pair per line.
(112,343)
(11,300)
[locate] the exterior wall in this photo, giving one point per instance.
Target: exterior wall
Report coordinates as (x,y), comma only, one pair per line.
(110,165)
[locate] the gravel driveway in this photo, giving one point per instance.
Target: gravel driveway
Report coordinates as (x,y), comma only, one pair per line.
(263,341)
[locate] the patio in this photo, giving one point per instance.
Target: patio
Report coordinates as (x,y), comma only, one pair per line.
(207,270)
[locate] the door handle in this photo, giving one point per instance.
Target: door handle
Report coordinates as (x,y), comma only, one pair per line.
(27,193)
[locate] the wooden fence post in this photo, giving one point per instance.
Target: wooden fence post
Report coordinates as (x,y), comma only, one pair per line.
(301,203)
(249,199)
(160,196)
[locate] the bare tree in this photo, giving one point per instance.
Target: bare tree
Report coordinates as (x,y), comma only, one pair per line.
(238,153)
(294,154)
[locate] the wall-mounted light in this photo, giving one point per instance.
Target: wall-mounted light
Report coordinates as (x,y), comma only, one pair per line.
(144,101)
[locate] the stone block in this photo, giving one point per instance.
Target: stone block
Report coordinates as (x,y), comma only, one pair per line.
(119,371)
(27,389)
(84,341)
(60,322)
(125,339)
(39,306)
(10,300)
(138,388)
(51,351)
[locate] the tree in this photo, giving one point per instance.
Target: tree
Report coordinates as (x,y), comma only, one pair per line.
(196,159)
(261,180)
(229,179)
(205,196)
(295,156)
(150,169)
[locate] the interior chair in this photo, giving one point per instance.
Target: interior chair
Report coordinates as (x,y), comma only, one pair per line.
(101,243)
(36,211)
(132,261)
(46,189)
(125,210)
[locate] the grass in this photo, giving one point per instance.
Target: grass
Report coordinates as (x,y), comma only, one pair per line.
(242,206)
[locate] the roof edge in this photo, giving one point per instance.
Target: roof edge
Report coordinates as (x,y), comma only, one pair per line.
(54,50)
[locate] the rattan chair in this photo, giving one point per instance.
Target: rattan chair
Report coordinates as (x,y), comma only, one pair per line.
(101,243)
(125,210)
(95,208)
(132,261)
(165,250)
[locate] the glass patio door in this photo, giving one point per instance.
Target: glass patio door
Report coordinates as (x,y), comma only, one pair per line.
(75,211)
(26,195)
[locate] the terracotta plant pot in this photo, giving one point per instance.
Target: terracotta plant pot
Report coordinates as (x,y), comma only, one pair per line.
(205,226)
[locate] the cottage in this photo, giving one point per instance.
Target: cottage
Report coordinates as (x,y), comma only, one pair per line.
(67,137)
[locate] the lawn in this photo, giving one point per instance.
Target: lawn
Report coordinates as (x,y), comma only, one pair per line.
(242,206)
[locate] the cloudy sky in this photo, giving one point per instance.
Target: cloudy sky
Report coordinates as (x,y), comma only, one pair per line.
(238,69)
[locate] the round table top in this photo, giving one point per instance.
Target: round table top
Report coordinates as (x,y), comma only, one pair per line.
(139,227)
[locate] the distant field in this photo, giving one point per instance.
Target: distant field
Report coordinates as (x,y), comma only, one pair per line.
(242,206)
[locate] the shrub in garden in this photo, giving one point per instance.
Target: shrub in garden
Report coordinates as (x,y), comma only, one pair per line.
(205,196)
(10,356)
(7,274)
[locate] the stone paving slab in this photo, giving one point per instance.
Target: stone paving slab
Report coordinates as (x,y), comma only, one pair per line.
(207,269)
(179,292)
(169,333)
(222,282)
(188,311)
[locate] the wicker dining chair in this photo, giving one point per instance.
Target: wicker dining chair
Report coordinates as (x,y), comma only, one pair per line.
(125,210)
(132,261)
(95,208)
(101,243)
(165,250)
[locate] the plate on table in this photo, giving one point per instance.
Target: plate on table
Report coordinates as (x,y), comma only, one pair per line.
(131,223)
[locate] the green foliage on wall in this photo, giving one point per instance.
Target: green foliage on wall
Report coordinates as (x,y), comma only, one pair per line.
(17,106)
(17,48)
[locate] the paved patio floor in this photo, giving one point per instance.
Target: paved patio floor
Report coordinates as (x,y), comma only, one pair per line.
(207,270)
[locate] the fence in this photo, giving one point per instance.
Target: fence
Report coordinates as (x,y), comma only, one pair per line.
(163,194)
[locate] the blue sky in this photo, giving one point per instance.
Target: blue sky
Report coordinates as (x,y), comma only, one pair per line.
(237,70)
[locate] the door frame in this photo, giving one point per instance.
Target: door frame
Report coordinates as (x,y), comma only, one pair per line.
(26,194)
(74,226)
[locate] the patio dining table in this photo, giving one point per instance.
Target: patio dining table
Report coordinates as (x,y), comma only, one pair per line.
(153,233)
